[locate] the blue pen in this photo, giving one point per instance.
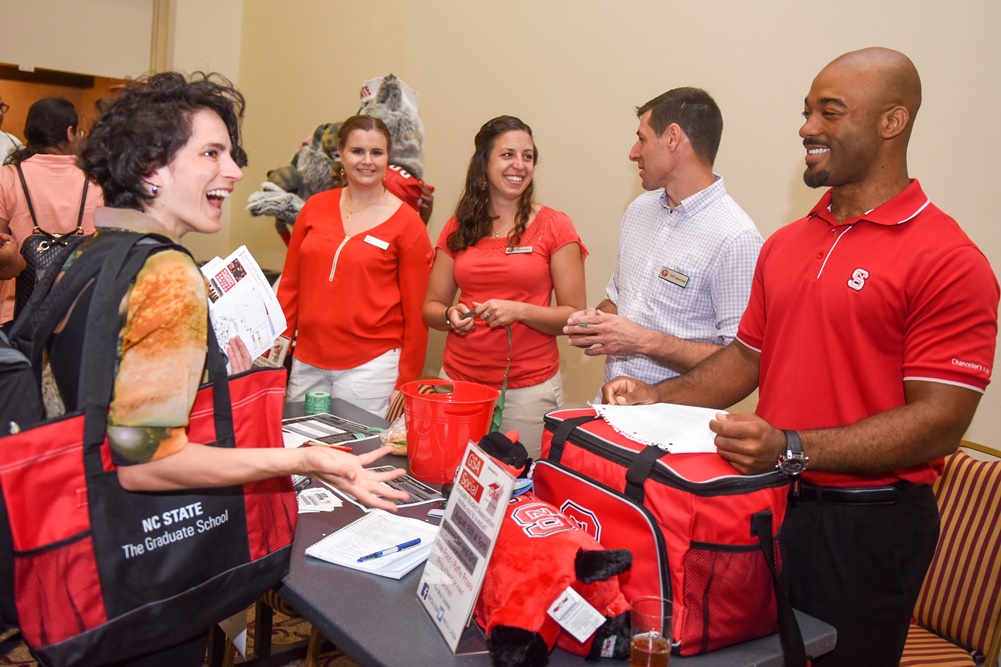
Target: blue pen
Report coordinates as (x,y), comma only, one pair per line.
(390,550)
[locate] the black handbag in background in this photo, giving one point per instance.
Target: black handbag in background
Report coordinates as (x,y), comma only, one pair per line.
(41,249)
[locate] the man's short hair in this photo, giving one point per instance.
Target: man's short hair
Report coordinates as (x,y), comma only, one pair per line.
(695,112)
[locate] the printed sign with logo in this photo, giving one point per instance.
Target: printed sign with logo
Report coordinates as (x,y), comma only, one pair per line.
(458,562)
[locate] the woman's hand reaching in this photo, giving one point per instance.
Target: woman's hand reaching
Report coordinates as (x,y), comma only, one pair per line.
(347,472)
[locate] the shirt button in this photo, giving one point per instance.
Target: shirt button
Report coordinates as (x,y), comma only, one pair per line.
(820,255)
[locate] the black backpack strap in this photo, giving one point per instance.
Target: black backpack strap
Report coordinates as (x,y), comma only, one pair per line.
(563,432)
(790,637)
(27,197)
(122,261)
(31,209)
(83,205)
(640,469)
(49,302)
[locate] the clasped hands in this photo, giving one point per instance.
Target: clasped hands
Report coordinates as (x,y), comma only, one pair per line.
(496,313)
(599,333)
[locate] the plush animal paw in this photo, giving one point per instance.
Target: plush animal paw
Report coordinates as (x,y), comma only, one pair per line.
(516,647)
(611,639)
(272,200)
(507,451)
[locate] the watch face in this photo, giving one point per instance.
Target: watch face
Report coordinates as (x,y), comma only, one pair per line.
(792,466)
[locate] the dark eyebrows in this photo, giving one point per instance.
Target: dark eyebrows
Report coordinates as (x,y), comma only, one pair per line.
(836,101)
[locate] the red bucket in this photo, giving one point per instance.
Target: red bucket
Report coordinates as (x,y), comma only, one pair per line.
(441,422)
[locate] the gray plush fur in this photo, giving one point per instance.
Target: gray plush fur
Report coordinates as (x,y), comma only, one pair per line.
(289,186)
(273,201)
(403,122)
(311,170)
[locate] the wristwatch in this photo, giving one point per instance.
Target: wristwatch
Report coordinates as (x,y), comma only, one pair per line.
(793,461)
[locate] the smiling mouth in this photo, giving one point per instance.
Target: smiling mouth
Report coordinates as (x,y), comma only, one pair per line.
(218,194)
(517,180)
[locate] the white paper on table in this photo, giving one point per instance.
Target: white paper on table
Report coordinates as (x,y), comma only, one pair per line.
(375,531)
(241,302)
(317,499)
(679,429)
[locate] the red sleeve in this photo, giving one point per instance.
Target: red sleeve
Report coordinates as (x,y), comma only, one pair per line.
(288,286)
(562,232)
(416,256)
(446,231)
(751,330)
(952,327)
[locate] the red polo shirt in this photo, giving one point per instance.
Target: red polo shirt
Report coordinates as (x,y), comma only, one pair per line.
(844,313)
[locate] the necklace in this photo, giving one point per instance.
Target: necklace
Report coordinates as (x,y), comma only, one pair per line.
(350,212)
(502,229)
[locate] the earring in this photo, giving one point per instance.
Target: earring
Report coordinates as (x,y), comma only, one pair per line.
(483,183)
(154,188)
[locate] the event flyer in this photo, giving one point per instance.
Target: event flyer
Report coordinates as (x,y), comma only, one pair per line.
(458,562)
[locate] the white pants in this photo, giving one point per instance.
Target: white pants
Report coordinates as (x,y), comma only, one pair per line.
(524,409)
(368,386)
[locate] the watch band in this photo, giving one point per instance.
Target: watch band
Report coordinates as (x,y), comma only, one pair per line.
(793,442)
(793,460)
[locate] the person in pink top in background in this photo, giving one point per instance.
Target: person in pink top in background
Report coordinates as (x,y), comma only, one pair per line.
(54,181)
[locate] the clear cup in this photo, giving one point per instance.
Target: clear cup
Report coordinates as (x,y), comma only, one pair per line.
(650,624)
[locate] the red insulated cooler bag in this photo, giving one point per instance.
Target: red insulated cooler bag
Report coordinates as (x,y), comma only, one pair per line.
(700,532)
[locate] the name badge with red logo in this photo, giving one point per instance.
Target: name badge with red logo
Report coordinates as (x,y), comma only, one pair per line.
(674,277)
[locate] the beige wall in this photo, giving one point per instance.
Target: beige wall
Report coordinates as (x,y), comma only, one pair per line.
(205,37)
(102,37)
(574,70)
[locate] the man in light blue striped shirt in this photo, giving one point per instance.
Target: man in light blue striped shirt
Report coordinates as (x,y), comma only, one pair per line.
(686,251)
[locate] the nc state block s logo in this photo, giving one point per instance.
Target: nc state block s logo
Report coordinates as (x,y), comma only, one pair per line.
(857,281)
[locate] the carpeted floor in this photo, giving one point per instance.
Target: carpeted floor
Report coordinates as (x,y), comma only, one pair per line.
(285,630)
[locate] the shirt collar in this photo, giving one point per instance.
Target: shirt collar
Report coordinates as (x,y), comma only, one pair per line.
(129,219)
(898,210)
(694,203)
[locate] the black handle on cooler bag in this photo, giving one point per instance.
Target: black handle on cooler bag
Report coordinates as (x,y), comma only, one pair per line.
(790,637)
(562,432)
(640,469)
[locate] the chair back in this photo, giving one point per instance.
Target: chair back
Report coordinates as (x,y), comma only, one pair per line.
(961,595)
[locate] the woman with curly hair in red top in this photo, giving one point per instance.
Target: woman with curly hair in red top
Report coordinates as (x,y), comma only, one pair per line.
(507,255)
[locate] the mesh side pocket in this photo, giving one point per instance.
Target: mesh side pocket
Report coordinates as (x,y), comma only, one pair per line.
(58,592)
(728,597)
(272,511)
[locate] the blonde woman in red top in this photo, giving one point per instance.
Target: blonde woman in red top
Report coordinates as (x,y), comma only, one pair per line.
(354,281)
(506,255)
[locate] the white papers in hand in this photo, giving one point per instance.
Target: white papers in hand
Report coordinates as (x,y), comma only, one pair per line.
(680,429)
(241,302)
(373,532)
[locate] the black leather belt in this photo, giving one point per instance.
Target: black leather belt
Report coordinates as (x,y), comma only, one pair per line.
(867,495)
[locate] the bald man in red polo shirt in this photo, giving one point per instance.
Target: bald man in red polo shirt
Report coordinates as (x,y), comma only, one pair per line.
(871,333)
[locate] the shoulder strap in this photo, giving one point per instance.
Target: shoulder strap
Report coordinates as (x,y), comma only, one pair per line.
(790,636)
(31,209)
(27,197)
(83,205)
